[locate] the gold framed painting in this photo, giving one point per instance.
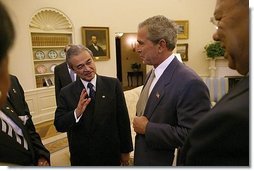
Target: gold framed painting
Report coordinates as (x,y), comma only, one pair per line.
(182,29)
(182,49)
(97,40)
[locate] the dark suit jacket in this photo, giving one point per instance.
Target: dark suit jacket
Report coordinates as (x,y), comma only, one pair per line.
(96,52)
(62,78)
(177,101)
(11,151)
(221,138)
(103,131)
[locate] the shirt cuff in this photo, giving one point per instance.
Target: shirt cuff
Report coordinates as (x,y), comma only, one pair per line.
(75,115)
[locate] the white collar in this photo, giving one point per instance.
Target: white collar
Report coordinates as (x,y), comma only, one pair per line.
(161,68)
(93,81)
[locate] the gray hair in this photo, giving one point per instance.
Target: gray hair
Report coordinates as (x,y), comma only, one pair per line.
(159,27)
(74,50)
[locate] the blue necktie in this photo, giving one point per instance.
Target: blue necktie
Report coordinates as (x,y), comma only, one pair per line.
(92,91)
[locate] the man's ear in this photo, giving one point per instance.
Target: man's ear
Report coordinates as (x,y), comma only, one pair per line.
(162,45)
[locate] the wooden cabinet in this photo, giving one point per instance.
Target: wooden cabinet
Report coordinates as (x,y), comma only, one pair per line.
(41,103)
(48,51)
(51,31)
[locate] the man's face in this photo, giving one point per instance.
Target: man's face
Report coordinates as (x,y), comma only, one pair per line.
(148,51)
(94,40)
(233,32)
(84,66)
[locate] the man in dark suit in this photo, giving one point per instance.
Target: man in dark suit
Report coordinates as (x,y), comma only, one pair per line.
(20,143)
(62,78)
(177,97)
(221,138)
(95,48)
(93,110)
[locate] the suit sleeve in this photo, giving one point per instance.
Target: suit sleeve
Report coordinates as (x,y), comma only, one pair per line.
(39,148)
(123,121)
(64,114)
(191,104)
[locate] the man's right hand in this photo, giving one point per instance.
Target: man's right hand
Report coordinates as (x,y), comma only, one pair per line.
(82,104)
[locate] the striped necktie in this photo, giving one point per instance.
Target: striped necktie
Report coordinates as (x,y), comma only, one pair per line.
(141,104)
(92,92)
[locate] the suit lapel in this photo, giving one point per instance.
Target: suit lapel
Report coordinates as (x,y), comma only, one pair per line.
(14,100)
(158,90)
(102,97)
(78,87)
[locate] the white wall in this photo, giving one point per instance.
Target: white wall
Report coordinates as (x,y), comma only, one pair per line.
(119,16)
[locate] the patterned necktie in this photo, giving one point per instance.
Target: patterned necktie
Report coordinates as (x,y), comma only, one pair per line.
(141,104)
(92,91)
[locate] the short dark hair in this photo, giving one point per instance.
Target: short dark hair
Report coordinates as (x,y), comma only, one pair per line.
(7,32)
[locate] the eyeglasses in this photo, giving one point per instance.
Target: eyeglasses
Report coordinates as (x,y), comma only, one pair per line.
(214,22)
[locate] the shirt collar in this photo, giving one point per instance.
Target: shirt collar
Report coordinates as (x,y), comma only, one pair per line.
(93,81)
(161,68)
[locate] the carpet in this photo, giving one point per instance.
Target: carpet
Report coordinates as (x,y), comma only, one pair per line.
(47,130)
(57,145)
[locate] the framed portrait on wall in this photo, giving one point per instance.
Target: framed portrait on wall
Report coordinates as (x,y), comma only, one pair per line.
(97,40)
(182,49)
(183,29)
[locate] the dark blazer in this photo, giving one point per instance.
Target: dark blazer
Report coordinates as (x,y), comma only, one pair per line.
(103,131)
(96,52)
(11,151)
(221,138)
(62,78)
(177,101)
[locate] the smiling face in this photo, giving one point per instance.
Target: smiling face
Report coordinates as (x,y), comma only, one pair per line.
(233,32)
(83,65)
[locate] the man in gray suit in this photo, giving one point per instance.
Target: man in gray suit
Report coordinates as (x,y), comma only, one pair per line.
(177,96)
(92,110)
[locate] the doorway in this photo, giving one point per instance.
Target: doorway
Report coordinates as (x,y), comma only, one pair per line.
(126,60)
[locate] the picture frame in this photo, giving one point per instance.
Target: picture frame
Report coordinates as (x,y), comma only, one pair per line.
(182,49)
(91,35)
(183,29)
(47,82)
